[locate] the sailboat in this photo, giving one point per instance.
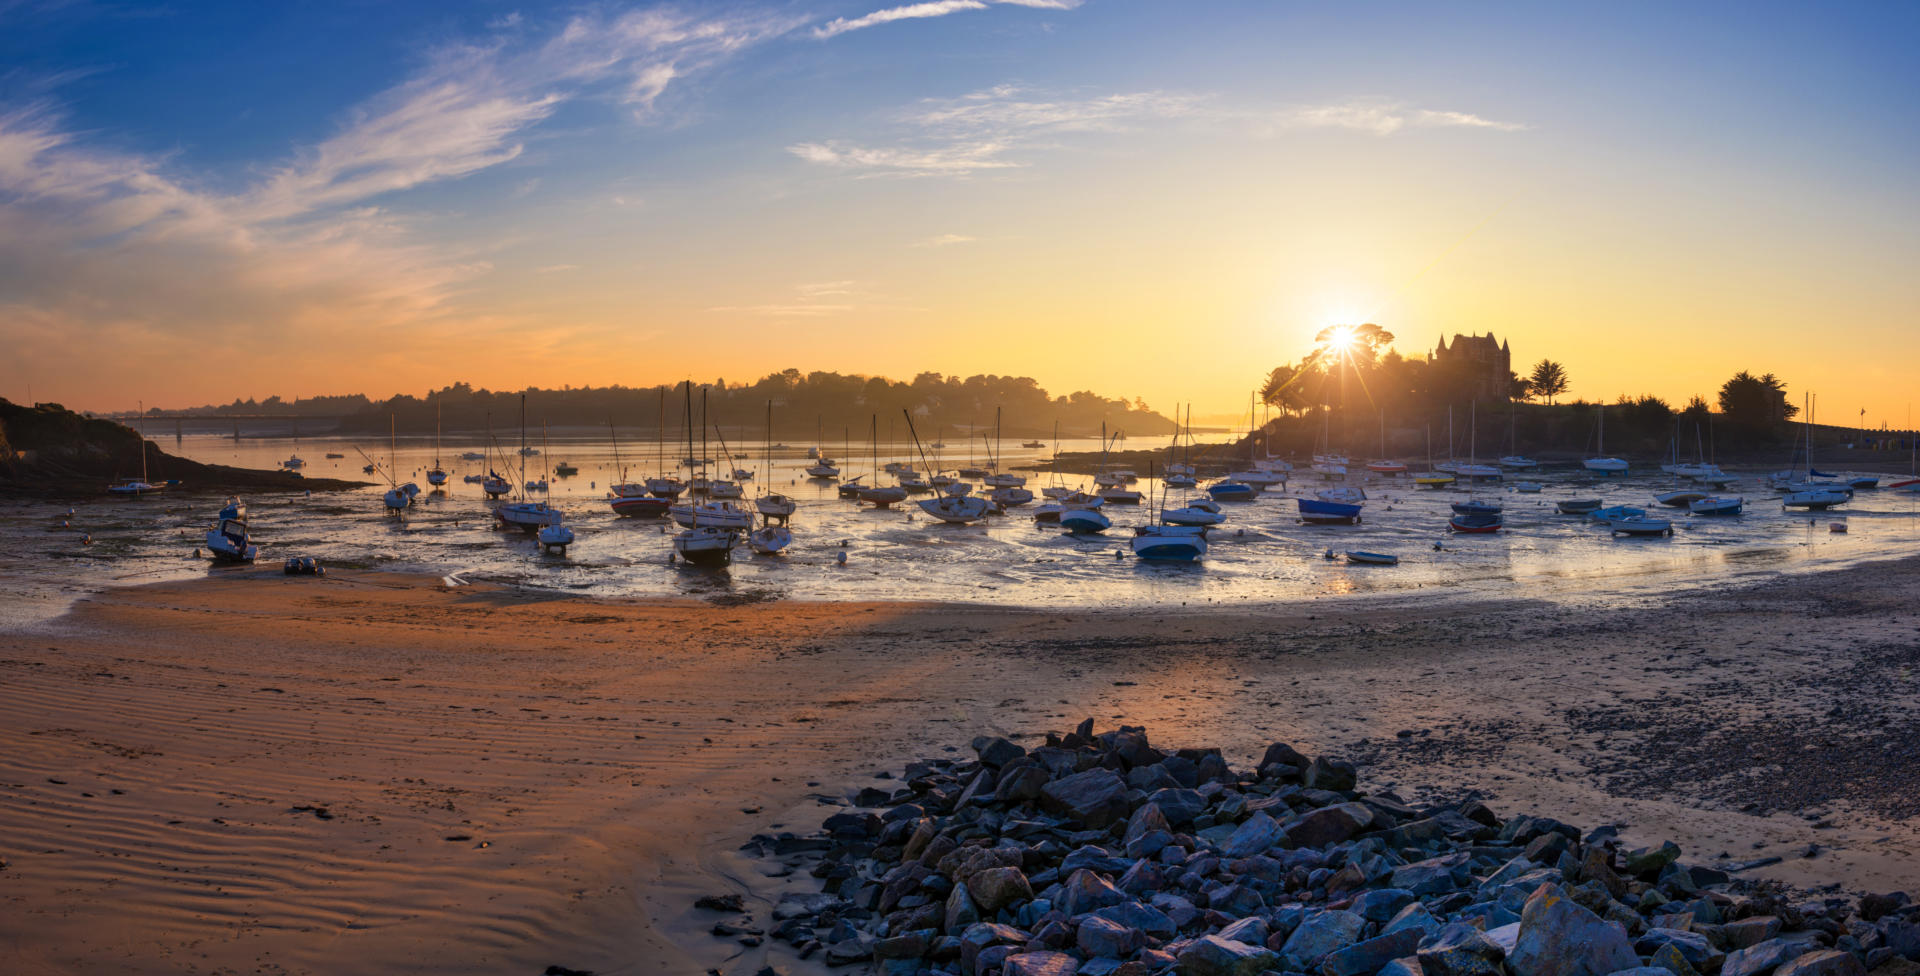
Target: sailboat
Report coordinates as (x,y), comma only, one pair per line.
(1195,511)
(1000,479)
(523,514)
(720,487)
(773,505)
(436,475)
(1912,482)
(493,484)
(399,497)
(1601,464)
(631,498)
(555,536)
(1384,465)
(1515,461)
(952,509)
(879,496)
(132,488)
(294,462)
(1172,543)
(1807,493)
(1473,470)
(1433,477)
(1237,487)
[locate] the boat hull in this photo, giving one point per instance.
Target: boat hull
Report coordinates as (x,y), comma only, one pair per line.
(1084,520)
(1161,547)
(639,506)
(1476,524)
(1317,512)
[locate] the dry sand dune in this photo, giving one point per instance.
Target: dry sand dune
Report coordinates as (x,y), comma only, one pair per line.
(381,774)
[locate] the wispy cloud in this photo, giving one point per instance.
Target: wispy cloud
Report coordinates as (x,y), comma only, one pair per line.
(931,8)
(943,240)
(1383,117)
(820,299)
(98,242)
(556,268)
(991,129)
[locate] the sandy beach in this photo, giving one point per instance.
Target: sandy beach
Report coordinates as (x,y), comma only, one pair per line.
(380,773)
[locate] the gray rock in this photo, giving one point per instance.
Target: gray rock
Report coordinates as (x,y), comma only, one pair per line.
(1179,806)
(1020,784)
(1211,955)
(1040,964)
(961,911)
(1382,904)
(996,751)
(1641,971)
(1823,962)
(1253,930)
(1692,946)
(1749,931)
(1763,957)
(982,936)
(1330,774)
(996,888)
(1369,957)
(1085,891)
(1096,797)
(1145,820)
(1329,825)
(1320,934)
(1414,916)
(1459,949)
(1560,938)
(795,905)
(1145,918)
(1097,936)
(1254,836)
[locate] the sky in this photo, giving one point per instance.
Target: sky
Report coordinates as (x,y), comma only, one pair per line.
(205,201)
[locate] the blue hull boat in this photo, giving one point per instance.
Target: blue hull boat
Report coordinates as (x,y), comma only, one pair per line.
(1175,546)
(1232,491)
(1084,520)
(1328,513)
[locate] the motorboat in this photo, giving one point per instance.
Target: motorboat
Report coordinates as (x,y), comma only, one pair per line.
(1372,558)
(1190,515)
(739,474)
(1341,496)
(914,483)
(436,475)
(527,516)
(1048,512)
(959,511)
(1033,444)
(529,452)
(1057,492)
(1081,499)
(537,484)
(1169,543)
(1712,505)
(1108,479)
(1084,520)
(1681,498)
(1640,525)
(1180,481)
(712,514)
(293,463)
(1232,491)
(555,538)
(331,456)
(1578,506)
(1863,483)
(822,471)
(1316,512)
(1479,524)
(229,542)
(400,497)
(881,496)
(472,456)
(1615,512)
(720,488)
(1010,497)
(474,479)
(769,539)
(706,545)
(567,469)
(1262,479)
(1817,499)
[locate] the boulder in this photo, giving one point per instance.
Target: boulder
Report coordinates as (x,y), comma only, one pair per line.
(1020,784)
(1823,962)
(1329,825)
(996,751)
(1097,936)
(996,888)
(1459,949)
(1179,806)
(1085,891)
(1040,964)
(1095,798)
(1763,957)
(1368,957)
(1254,836)
(1560,938)
(1319,935)
(1211,955)
(1330,774)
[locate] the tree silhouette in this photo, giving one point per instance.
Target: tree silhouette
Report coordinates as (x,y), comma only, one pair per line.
(1548,379)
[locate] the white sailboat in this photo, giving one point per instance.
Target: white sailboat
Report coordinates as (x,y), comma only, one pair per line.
(132,488)
(522,514)
(436,475)
(1601,464)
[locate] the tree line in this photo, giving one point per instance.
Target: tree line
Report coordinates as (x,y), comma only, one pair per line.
(807,406)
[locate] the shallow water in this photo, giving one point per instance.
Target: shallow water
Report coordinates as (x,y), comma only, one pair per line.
(1261,554)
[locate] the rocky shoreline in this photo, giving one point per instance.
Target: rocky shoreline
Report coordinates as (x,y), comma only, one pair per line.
(1104,855)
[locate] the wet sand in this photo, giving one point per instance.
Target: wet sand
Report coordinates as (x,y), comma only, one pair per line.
(378,773)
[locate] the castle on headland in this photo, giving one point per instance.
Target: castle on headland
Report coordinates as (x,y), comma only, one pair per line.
(1487,365)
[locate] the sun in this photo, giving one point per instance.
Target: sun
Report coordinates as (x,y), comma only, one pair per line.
(1340,338)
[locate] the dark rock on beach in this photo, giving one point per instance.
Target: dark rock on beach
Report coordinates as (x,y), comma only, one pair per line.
(1102,854)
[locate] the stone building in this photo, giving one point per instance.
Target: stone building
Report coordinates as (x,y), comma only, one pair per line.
(1484,364)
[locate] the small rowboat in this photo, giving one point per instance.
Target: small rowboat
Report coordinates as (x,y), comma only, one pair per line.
(1716,506)
(1373,558)
(1579,506)
(1640,525)
(1679,499)
(1476,508)
(1386,467)
(1476,524)
(1433,479)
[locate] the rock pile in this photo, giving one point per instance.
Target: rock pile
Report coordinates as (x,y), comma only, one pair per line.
(1106,856)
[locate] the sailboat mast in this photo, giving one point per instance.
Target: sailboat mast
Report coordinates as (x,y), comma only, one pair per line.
(140,428)
(523,447)
(615,437)
(689,422)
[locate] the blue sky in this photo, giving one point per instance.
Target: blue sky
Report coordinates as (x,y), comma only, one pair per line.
(606,187)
